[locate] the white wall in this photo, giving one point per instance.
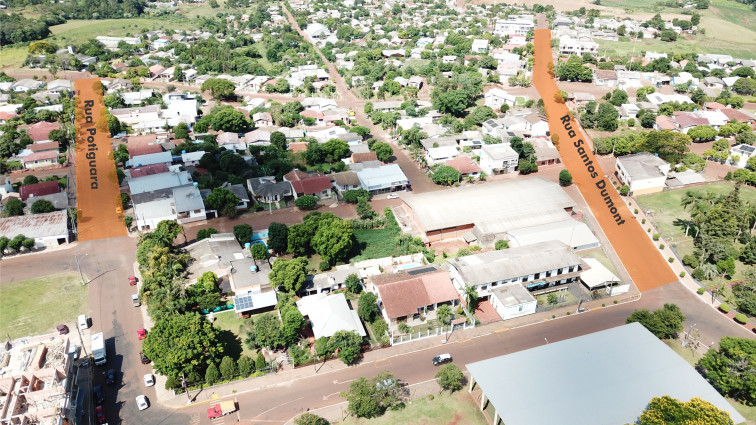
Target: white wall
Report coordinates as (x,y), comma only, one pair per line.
(510,312)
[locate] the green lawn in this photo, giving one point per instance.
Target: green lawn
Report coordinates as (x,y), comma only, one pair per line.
(374,243)
(445,408)
(230,321)
(599,255)
(36,306)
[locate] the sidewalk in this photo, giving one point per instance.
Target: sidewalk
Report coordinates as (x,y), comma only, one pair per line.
(283,378)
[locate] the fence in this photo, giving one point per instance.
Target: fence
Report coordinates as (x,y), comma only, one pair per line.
(402,338)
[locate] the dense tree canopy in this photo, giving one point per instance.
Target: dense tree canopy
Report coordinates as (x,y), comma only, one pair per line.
(289,274)
(219,88)
(731,369)
(371,398)
(666,410)
(665,323)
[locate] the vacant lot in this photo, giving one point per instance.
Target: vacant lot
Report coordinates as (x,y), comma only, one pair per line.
(374,243)
(36,306)
(444,409)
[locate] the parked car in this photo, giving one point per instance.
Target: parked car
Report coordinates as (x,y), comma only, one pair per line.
(145,360)
(149,380)
(142,402)
(99,414)
(135,301)
(98,394)
(62,329)
(110,377)
(141,333)
(441,359)
(132,280)
(392,196)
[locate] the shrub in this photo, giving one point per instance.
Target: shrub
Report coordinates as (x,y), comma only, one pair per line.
(741,318)
(306,202)
(691,261)
(624,190)
(661,246)
(324,265)
(648,230)
(701,291)
(671,259)
(635,211)
(656,236)
(615,301)
(724,308)
(643,221)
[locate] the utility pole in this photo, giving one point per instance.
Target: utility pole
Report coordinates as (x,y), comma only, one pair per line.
(186,389)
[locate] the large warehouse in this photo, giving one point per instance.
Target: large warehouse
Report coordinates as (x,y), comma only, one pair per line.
(486,212)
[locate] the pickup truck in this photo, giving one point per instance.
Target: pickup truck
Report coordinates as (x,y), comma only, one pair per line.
(221,409)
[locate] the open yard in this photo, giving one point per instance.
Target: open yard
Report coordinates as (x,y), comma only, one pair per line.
(444,409)
(599,255)
(232,324)
(36,306)
(373,243)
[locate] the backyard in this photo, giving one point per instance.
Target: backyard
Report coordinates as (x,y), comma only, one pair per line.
(229,321)
(61,297)
(670,219)
(374,243)
(444,408)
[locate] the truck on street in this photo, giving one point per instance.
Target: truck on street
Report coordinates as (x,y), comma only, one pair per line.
(98,349)
(221,409)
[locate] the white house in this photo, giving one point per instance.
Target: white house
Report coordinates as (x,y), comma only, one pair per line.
(192,158)
(329,314)
(479,46)
(498,159)
(512,300)
(642,172)
(743,152)
(495,98)
(440,154)
(514,25)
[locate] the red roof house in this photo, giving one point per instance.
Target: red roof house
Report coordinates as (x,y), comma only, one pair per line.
(404,295)
(315,184)
(465,165)
(364,156)
(148,170)
(144,150)
(38,189)
(40,131)
(44,146)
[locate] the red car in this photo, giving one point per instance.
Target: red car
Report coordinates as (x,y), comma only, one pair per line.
(132,280)
(99,414)
(141,332)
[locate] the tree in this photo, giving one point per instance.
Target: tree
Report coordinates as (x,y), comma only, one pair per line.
(260,362)
(371,398)
(228,367)
(565,178)
(745,86)
(364,209)
(352,284)
(501,244)
(289,273)
(348,344)
(384,151)
(702,133)
(278,140)
(205,233)
(183,344)
(471,298)
(278,236)
(114,126)
(223,201)
(450,377)
(42,206)
(267,333)
(246,366)
(444,314)
(3,244)
(732,368)
(230,120)
(527,166)
(354,195)
(333,239)
(607,117)
(573,70)
(367,306)
(665,323)
(181,131)
(619,97)
(178,74)
(451,102)
(446,175)
(293,322)
(211,374)
(14,207)
(121,154)
(670,145)
(669,411)
(219,88)
(308,418)
(243,233)
(306,202)
(259,251)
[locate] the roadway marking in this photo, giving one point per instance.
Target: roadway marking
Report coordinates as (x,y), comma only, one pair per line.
(380,360)
(326,397)
(501,330)
(336,382)
(282,404)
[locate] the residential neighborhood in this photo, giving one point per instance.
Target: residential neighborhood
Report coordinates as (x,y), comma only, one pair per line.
(324,211)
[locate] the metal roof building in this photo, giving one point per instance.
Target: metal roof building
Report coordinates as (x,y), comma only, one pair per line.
(603,378)
(489,211)
(48,229)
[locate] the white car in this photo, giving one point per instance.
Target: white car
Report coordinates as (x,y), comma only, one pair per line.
(149,380)
(393,196)
(141,402)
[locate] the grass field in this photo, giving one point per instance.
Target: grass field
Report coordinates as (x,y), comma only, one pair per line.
(669,217)
(599,255)
(373,243)
(229,321)
(445,408)
(36,306)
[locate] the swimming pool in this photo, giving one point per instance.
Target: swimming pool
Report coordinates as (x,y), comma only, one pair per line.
(258,236)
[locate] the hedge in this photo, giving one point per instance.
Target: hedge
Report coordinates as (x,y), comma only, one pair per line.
(724,308)
(741,318)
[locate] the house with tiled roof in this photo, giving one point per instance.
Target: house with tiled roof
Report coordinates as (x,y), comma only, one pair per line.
(664,122)
(147,170)
(144,150)
(346,180)
(38,189)
(257,138)
(408,295)
(362,157)
(46,158)
(315,184)
(40,131)
(44,146)
(684,121)
(466,166)
(231,141)
(262,119)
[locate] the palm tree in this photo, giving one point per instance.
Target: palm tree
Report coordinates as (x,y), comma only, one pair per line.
(471,298)
(443,314)
(698,203)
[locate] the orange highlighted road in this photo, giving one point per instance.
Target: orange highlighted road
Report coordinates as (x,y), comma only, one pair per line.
(99,214)
(641,258)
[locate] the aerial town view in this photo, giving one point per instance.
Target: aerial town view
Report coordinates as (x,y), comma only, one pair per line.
(363,212)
